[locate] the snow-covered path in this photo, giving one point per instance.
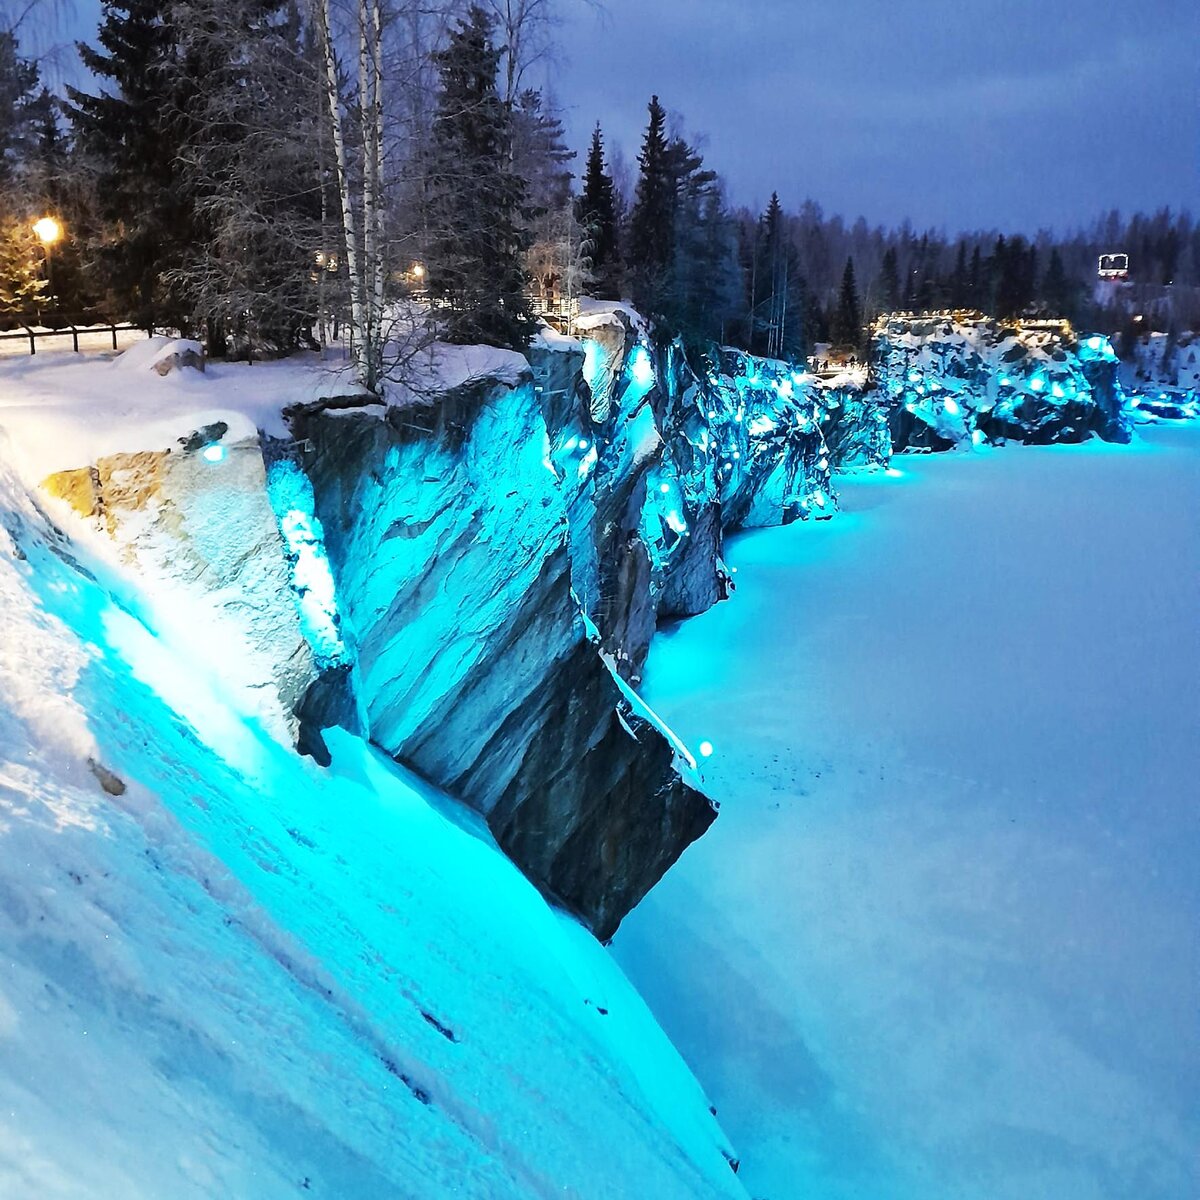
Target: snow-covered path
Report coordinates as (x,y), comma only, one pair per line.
(942,942)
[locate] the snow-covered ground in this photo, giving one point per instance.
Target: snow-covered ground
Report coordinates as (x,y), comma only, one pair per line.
(942,942)
(227,972)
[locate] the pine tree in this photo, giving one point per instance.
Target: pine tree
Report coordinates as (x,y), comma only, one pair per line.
(889,282)
(556,258)
(959,279)
(652,223)
(476,246)
(1056,291)
(597,212)
(131,131)
(846,326)
(539,152)
(977,282)
(19,81)
(252,168)
(22,284)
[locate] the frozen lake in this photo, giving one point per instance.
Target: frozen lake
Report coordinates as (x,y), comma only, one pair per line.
(943,942)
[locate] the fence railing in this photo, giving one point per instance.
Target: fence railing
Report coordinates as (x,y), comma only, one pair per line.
(32,334)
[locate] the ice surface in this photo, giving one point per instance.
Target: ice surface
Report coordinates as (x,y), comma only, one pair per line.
(942,941)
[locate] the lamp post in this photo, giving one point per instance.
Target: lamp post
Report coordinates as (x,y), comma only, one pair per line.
(48,231)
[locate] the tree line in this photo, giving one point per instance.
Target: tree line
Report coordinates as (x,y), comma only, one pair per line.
(269,173)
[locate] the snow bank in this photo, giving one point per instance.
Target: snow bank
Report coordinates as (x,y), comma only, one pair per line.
(65,411)
(230,973)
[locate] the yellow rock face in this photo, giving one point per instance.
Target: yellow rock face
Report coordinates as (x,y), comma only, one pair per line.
(118,484)
(128,482)
(80,488)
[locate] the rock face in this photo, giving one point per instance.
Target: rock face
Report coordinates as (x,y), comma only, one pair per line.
(471,574)
(948,381)
(197,517)
(447,528)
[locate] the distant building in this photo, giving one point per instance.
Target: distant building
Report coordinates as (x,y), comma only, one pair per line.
(1113,266)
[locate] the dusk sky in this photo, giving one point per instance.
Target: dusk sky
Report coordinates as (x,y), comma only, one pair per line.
(1013,114)
(963,113)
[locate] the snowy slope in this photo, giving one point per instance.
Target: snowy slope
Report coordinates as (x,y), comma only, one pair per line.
(228,973)
(942,941)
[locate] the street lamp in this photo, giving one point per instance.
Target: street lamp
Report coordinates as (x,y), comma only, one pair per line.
(49,230)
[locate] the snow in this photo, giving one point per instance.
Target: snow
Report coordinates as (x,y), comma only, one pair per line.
(65,410)
(942,940)
(549,338)
(441,367)
(228,972)
(146,355)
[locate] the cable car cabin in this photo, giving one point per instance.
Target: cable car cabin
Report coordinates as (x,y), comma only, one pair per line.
(1113,266)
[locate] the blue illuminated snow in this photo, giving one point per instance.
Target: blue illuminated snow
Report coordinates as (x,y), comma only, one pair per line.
(1096,347)
(593,363)
(641,368)
(291,496)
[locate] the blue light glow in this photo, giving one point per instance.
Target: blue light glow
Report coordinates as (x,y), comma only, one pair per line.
(706,749)
(214,453)
(312,581)
(641,368)
(1036,383)
(593,363)
(951,407)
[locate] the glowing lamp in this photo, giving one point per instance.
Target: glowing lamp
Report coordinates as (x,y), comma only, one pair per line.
(213,453)
(1037,383)
(664,488)
(48,230)
(583,443)
(706,749)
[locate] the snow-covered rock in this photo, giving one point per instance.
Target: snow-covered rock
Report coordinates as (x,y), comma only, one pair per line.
(947,381)
(1162,377)
(162,355)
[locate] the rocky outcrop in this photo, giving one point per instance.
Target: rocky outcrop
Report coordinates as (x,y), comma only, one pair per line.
(947,381)
(447,526)
(470,572)
(197,518)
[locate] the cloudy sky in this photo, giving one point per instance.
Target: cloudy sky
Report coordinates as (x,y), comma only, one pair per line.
(963,113)
(1012,114)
